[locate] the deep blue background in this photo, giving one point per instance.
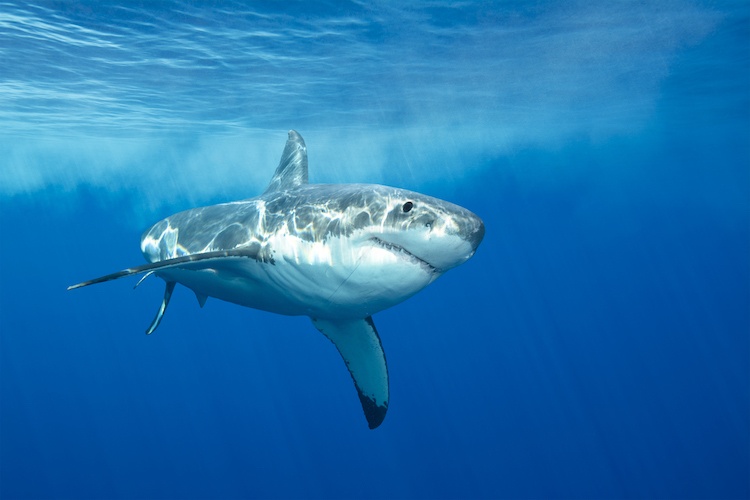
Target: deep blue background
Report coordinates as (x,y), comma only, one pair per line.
(597,345)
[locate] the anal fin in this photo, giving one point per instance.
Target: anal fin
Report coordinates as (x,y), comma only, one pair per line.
(162,309)
(359,344)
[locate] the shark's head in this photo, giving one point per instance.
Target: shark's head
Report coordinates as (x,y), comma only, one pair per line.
(427,231)
(391,229)
(370,246)
(387,222)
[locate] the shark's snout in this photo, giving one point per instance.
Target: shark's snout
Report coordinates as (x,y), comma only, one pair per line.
(475,233)
(469,227)
(448,243)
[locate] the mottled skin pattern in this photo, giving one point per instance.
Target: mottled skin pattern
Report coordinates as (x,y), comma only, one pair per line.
(313,212)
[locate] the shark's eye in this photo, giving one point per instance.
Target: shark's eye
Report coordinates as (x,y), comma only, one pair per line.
(408,206)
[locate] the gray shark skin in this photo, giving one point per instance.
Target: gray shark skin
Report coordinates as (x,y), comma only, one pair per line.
(337,253)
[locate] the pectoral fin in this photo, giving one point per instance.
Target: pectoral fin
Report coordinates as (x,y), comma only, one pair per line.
(359,344)
(195,261)
(162,309)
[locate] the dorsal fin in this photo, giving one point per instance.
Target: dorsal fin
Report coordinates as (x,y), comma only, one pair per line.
(292,169)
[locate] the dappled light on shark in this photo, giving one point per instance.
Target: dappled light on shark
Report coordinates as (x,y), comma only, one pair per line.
(337,253)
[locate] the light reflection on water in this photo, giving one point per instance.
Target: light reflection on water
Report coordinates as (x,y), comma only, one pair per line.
(368,85)
(217,69)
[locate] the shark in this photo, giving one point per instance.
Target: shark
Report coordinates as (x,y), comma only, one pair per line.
(337,253)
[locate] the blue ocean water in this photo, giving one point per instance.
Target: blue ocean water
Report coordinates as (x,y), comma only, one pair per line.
(596,346)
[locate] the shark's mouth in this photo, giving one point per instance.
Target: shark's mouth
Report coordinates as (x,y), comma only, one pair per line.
(404,253)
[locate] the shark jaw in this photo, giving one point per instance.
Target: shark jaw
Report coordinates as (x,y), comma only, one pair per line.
(403,253)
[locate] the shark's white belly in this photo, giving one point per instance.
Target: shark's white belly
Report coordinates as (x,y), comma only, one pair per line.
(320,280)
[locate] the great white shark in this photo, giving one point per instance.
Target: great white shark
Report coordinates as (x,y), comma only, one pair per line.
(337,253)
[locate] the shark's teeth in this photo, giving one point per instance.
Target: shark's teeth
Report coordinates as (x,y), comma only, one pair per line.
(403,251)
